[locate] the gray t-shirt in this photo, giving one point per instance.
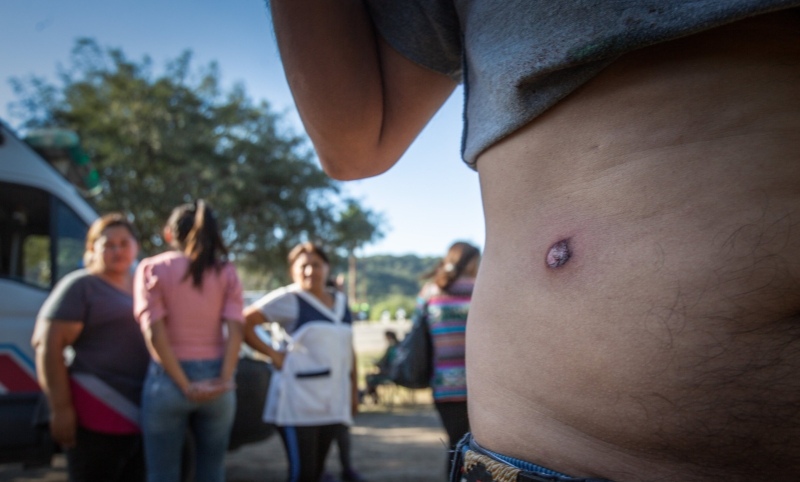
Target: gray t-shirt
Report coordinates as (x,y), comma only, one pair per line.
(111,346)
(517,58)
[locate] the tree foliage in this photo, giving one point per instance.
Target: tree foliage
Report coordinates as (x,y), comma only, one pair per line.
(387,282)
(355,228)
(384,275)
(392,304)
(159,140)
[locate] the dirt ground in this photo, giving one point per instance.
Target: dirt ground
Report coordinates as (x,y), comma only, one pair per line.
(403,442)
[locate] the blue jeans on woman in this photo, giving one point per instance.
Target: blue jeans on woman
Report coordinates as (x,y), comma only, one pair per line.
(166,415)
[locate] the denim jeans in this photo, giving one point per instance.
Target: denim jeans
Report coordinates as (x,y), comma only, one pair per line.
(473,463)
(166,415)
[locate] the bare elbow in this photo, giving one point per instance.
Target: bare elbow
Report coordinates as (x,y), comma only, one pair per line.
(351,168)
(347,174)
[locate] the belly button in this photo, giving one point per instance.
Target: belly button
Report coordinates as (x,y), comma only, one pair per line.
(558,254)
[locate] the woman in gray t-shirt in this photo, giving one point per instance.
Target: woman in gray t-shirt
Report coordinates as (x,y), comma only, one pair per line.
(94,400)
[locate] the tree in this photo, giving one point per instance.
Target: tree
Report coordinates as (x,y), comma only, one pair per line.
(162,140)
(356,228)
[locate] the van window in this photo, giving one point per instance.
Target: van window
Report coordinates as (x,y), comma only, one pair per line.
(41,238)
(70,233)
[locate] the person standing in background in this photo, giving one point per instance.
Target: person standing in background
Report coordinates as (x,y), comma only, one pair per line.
(444,301)
(314,392)
(342,438)
(94,402)
(188,302)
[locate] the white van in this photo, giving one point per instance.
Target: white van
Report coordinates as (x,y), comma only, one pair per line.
(43,222)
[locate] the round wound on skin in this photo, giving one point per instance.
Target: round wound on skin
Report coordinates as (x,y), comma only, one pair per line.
(558,254)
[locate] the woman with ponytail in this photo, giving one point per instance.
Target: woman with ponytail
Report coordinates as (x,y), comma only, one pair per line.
(188,302)
(445,299)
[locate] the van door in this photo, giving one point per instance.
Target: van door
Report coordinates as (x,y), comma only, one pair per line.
(41,240)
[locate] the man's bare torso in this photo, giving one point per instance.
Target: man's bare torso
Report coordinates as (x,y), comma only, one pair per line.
(667,346)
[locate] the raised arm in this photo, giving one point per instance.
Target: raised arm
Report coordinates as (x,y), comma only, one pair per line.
(361,102)
(252,318)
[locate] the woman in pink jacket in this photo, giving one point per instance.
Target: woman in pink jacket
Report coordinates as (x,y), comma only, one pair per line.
(189,304)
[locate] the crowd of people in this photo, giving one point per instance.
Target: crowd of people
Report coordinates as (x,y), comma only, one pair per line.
(154,354)
(635,315)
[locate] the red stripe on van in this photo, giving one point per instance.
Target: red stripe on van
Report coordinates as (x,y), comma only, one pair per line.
(94,414)
(14,377)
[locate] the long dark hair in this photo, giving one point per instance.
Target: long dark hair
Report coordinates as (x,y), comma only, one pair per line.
(196,233)
(452,266)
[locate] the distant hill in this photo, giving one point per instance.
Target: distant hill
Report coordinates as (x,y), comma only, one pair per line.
(385,282)
(384,275)
(389,284)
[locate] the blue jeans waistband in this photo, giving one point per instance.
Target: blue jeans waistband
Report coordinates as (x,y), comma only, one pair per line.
(473,463)
(195,370)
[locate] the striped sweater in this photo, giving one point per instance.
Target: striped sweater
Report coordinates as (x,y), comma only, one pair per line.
(447,321)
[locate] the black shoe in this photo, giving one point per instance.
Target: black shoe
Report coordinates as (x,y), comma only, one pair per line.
(352,476)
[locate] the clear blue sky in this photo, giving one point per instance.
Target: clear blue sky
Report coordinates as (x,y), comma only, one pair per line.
(430,198)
